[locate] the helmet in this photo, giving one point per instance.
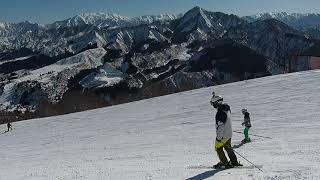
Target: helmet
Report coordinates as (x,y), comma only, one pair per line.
(244,111)
(213,93)
(216,100)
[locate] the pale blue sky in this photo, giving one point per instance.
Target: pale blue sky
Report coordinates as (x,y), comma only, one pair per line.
(48,11)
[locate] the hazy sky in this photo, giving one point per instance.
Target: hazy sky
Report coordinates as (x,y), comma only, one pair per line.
(48,11)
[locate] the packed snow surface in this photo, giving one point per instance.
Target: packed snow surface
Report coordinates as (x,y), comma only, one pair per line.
(162,138)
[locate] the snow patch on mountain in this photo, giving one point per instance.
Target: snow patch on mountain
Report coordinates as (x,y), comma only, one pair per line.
(106,76)
(160,58)
(16,59)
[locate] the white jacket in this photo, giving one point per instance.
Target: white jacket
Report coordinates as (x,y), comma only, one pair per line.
(224,129)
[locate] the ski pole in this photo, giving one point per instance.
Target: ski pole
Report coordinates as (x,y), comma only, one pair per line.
(247,160)
(254,135)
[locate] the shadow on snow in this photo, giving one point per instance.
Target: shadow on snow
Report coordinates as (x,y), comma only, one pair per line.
(205,175)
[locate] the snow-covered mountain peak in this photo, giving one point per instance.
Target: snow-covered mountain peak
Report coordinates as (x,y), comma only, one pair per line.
(153,18)
(296,20)
(270,15)
(194,12)
(95,19)
(102,15)
(16,29)
(277,15)
(194,18)
(109,20)
(196,9)
(27,25)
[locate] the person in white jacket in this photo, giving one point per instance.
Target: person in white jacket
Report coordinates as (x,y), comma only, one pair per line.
(224,133)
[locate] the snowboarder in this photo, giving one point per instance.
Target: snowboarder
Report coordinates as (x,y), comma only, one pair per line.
(9,126)
(224,133)
(247,125)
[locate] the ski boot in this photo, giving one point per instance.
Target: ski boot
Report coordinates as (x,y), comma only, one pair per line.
(245,141)
(229,165)
(236,164)
(219,165)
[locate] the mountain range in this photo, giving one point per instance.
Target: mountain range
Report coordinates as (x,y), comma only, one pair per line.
(95,59)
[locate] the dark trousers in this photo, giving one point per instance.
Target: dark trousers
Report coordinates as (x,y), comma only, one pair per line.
(227,146)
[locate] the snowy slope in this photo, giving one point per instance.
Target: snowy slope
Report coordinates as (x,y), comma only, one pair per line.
(160,138)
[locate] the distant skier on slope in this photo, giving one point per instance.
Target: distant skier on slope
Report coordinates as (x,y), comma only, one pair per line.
(9,126)
(224,133)
(247,125)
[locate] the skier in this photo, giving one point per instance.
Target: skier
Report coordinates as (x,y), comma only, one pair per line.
(247,125)
(9,126)
(224,133)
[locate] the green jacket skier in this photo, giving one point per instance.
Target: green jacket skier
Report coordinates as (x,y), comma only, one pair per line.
(247,125)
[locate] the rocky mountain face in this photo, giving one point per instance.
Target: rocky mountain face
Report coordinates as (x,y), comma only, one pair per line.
(199,24)
(271,38)
(95,60)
